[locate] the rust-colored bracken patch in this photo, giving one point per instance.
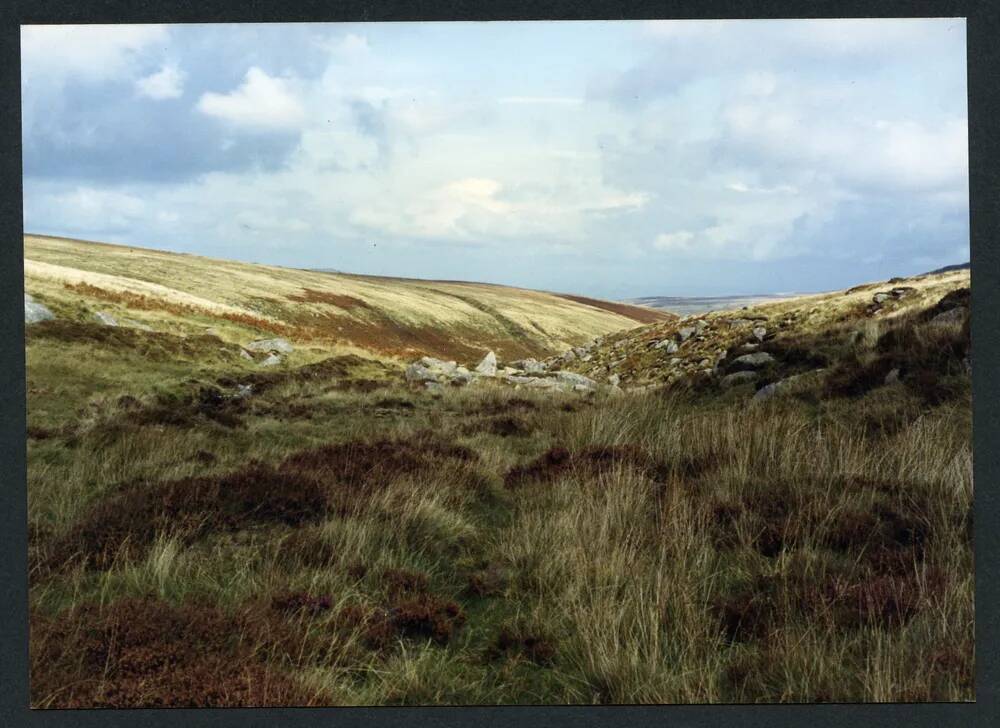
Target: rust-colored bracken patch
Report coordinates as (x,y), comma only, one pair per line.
(311,295)
(641,314)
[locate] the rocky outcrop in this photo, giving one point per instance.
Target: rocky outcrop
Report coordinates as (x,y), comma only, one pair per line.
(35,312)
(429,369)
(279,345)
(951,316)
(488,366)
(531,366)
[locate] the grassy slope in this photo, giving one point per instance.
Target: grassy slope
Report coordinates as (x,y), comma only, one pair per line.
(340,539)
(391,316)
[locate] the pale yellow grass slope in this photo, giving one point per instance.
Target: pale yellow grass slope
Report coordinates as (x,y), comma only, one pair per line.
(480,316)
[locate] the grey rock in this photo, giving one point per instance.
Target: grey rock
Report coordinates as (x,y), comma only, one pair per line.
(245,354)
(35,312)
(105,318)
(540,383)
(568,355)
(951,316)
(770,390)
(757,359)
(881,298)
(488,366)
(531,366)
(669,345)
(759,332)
(279,345)
(243,391)
(685,333)
(731,380)
(700,325)
(272,360)
(614,380)
(574,378)
(892,377)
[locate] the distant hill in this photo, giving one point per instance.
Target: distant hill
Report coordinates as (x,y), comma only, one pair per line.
(395,317)
(949,268)
(687,305)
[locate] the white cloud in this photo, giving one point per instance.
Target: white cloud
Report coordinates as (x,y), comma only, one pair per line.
(89,52)
(676,241)
(262,102)
(167,83)
(86,208)
(542,100)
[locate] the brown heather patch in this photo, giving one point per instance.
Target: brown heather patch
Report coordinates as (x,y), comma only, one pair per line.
(558,461)
(304,487)
(399,582)
(301,602)
(502,426)
(505,406)
(127,522)
(143,653)
(310,295)
(426,615)
(490,581)
(410,612)
(332,369)
(513,641)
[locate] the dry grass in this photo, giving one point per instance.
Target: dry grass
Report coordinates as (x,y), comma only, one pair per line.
(338,539)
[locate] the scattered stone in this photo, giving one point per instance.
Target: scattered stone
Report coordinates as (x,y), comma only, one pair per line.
(568,356)
(731,380)
(757,359)
(35,312)
(769,390)
(272,360)
(105,318)
(488,366)
(245,354)
(685,333)
(669,345)
(881,297)
(574,378)
(892,377)
(243,391)
(429,369)
(902,291)
(759,332)
(531,366)
(279,345)
(614,380)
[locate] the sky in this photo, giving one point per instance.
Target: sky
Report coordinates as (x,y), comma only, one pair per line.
(612,158)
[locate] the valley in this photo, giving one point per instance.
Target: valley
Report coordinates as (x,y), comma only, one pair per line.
(251,485)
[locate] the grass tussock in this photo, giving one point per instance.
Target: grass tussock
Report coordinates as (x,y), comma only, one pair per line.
(485,545)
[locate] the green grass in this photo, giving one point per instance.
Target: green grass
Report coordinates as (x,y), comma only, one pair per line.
(672,546)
